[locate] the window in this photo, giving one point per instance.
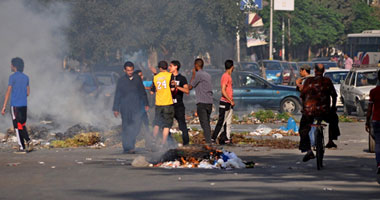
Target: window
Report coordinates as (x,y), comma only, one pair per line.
(251,81)
(348,78)
(353,79)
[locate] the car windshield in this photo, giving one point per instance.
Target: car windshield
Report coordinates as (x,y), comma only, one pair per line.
(104,79)
(250,67)
(285,65)
(272,66)
(366,78)
(336,77)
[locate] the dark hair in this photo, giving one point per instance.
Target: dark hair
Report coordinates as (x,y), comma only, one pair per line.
(378,75)
(319,68)
(163,65)
(228,64)
(176,63)
(128,64)
(18,63)
(199,62)
(308,71)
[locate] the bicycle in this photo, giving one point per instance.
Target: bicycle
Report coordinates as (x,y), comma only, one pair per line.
(319,143)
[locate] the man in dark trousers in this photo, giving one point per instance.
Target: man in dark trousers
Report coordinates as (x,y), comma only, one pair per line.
(226,105)
(316,95)
(130,96)
(201,82)
(181,87)
(19,90)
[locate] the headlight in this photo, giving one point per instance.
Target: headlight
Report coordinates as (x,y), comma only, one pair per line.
(278,74)
(366,96)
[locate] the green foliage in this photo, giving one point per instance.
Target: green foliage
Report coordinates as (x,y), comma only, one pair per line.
(264,115)
(283,116)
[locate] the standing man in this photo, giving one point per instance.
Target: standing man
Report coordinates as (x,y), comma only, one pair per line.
(374,112)
(201,81)
(226,105)
(316,98)
(130,97)
(164,113)
(181,87)
(304,73)
(19,90)
(347,62)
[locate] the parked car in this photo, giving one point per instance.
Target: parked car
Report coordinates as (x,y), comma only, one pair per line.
(273,71)
(355,89)
(250,90)
(337,76)
(249,67)
(98,84)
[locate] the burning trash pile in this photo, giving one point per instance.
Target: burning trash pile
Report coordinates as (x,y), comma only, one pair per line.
(205,157)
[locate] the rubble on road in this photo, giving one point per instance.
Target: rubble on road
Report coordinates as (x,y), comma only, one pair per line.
(204,156)
(80,140)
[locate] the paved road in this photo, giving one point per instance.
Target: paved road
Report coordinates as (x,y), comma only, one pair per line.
(107,174)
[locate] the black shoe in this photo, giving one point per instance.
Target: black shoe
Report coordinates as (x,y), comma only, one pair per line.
(309,155)
(330,145)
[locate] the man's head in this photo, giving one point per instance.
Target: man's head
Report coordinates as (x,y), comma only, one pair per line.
(174,66)
(17,64)
(319,69)
(198,64)
(346,56)
(162,65)
(229,64)
(129,67)
(305,70)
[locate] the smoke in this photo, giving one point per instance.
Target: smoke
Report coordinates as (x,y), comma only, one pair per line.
(39,39)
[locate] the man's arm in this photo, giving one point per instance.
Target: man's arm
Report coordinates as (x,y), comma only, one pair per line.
(225,95)
(8,93)
(184,89)
(27,90)
(116,101)
(192,79)
(369,115)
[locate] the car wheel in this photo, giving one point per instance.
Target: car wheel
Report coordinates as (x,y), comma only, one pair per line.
(371,144)
(359,109)
(346,109)
(290,105)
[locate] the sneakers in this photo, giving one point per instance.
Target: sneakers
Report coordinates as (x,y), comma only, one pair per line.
(309,155)
(20,151)
(331,144)
(29,146)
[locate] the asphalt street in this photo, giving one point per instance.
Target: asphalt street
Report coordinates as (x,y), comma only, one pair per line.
(84,173)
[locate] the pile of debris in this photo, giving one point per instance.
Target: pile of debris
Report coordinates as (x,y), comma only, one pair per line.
(205,157)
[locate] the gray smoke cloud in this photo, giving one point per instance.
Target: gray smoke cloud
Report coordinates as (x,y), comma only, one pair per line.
(38,38)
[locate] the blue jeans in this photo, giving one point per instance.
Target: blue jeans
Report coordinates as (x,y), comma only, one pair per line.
(376,132)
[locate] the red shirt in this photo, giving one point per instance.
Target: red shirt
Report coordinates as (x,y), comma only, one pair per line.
(374,97)
(227,81)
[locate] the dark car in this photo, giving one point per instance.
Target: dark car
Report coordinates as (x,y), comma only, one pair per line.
(249,67)
(251,91)
(100,85)
(273,71)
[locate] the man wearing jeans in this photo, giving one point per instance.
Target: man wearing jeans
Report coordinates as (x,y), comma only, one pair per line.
(201,81)
(374,112)
(226,105)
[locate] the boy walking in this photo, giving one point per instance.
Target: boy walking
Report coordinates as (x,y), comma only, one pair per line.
(226,105)
(19,90)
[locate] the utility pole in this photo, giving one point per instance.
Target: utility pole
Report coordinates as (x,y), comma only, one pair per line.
(283,39)
(237,45)
(271,32)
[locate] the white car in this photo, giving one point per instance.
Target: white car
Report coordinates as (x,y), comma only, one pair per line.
(355,89)
(337,76)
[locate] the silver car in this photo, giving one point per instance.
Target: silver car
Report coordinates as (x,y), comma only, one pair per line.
(337,76)
(355,89)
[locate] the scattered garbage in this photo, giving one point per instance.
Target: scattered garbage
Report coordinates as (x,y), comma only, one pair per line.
(261,130)
(13,164)
(204,157)
(41,163)
(277,136)
(291,125)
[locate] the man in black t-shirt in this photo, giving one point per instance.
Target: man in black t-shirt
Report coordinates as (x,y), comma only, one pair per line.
(181,87)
